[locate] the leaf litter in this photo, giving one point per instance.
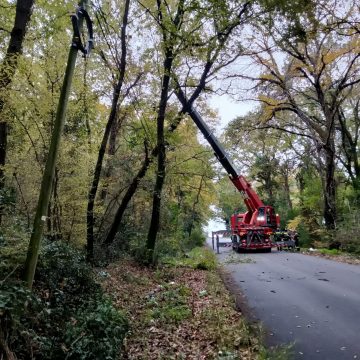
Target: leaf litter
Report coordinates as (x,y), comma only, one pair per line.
(178,313)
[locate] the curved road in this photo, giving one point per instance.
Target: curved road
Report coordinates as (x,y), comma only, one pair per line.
(309,301)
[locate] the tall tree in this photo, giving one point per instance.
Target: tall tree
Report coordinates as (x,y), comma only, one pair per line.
(121,65)
(321,66)
(7,71)
(202,53)
(169,42)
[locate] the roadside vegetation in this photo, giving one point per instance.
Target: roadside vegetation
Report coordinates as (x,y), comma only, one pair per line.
(104,182)
(179,309)
(334,254)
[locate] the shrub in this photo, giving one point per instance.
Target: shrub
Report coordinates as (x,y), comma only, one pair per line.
(67,315)
(96,332)
(196,239)
(64,273)
(202,258)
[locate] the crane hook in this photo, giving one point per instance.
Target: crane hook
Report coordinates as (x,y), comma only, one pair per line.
(76,20)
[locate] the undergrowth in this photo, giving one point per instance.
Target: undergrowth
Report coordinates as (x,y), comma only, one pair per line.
(198,258)
(67,316)
(330,252)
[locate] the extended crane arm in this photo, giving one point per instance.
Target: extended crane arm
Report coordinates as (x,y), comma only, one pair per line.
(251,198)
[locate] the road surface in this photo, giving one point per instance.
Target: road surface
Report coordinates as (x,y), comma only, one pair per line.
(306,300)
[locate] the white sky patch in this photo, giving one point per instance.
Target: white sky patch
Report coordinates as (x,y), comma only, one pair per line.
(229,109)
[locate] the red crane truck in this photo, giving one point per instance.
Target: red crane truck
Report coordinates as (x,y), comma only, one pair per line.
(254,228)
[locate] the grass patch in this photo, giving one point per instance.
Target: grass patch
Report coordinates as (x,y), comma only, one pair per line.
(330,252)
(284,352)
(168,304)
(198,258)
(225,324)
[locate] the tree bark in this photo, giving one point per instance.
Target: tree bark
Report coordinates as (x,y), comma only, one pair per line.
(126,199)
(160,176)
(111,120)
(197,199)
(169,43)
(285,175)
(7,72)
(330,189)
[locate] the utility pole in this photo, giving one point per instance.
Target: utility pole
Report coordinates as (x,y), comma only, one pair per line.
(49,172)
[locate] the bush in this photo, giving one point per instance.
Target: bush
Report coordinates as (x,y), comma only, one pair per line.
(196,239)
(66,316)
(168,246)
(202,258)
(304,236)
(96,332)
(347,234)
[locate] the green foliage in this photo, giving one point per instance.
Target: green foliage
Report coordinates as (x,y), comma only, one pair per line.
(96,332)
(229,199)
(8,199)
(66,316)
(284,352)
(304,236)
(169,304)
(62,270)
(13,298)
(169,246)
(14,239)
(203,258)
(198,258)
(196,239)
(330,252)
(347,233)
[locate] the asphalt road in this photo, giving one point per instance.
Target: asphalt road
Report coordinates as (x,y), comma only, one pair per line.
(309,301)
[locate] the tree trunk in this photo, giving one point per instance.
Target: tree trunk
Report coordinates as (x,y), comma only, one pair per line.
(90,221)
(160,175)
(7,72)
(169,42)
(134,185)
(126,199)
(197,199)
(330,189)
(287,188)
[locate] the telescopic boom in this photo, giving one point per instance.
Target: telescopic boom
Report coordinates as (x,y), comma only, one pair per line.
(251,198)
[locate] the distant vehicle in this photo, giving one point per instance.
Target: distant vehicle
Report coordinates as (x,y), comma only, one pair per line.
(286,240)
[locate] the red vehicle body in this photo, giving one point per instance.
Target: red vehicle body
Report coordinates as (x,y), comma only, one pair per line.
(251,230)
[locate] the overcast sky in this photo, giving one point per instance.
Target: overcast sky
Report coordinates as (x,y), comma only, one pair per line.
(228,109)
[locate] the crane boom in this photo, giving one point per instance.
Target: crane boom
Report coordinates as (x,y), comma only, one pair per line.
(251,198)
(250,230)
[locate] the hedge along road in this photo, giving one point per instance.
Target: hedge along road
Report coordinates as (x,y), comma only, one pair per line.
(309,301)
